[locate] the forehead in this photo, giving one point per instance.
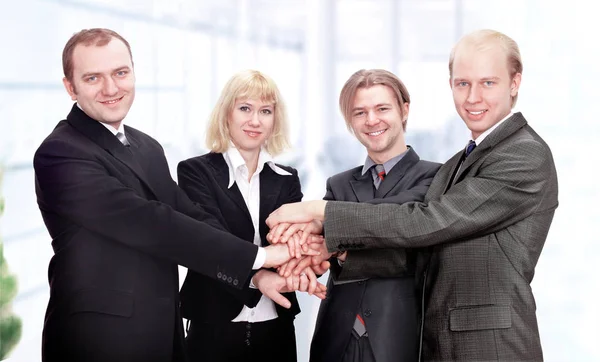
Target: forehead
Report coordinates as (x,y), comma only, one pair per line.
(100,59)
(378,93)
(255,102)
(473,62)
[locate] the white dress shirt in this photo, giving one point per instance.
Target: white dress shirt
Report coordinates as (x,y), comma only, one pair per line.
(250,190)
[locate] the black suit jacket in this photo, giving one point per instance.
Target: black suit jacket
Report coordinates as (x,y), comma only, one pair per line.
(205,179)
(120,225)
(389,300)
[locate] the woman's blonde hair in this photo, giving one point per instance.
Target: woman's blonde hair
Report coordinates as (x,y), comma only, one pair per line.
(248,84)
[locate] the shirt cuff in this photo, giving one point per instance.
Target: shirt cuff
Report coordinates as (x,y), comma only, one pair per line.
(261,257)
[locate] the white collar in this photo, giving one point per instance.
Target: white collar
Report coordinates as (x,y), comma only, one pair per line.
(482,136)
(234,160)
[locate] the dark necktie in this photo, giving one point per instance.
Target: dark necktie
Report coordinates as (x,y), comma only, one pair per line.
(123,139)
(470,147)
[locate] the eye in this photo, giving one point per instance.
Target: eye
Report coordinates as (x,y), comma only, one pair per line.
(122,73)
(462,84)
(91,78)
(266,111)
(489,83)
(358,113)
(384,109)
(244,108)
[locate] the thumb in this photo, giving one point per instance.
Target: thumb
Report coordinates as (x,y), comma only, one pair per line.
(278,298)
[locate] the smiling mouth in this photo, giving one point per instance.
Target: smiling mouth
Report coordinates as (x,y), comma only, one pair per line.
(477,113)
(376,133)
(112,101)
(252,133)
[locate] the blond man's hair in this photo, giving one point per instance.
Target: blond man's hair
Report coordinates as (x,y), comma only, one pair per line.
(248,84)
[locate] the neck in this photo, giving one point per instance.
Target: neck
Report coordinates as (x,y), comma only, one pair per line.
(251,160)
(383,157)
(114,125)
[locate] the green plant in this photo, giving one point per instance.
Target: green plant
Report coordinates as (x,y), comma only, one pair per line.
(10,324)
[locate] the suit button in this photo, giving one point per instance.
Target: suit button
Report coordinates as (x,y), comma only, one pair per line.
(219,275)
(235,282)
(367,313)
(247,342)
(229,280)
(224,277)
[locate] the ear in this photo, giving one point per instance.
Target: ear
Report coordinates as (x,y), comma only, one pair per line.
(515,84)
(450,82)
(405,109)
(70,88)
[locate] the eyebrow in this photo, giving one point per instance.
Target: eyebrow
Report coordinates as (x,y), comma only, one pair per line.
(376,106)
(482,79)
(124,67)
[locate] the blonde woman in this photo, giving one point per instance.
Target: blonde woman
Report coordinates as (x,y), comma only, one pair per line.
(240,184)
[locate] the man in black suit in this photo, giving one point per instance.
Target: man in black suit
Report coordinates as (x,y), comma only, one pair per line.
(375,317)
(119,223)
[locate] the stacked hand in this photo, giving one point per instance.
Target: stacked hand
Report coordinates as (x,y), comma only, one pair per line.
(299,226)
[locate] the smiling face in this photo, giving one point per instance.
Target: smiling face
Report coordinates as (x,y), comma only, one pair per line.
(376,121)
(482,87)
(103,82)
(250,124)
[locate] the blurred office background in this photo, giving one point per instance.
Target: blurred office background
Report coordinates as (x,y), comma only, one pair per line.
(185,50)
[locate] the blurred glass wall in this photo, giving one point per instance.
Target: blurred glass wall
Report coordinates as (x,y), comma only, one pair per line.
(185,50)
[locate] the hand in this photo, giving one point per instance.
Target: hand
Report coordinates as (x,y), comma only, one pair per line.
(295,235)
(307,282)
(298,212)
(297,265)
(278,254)
(272,285)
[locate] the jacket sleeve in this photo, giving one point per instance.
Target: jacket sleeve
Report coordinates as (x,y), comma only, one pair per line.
(512,183)
(382,263)
(78,187)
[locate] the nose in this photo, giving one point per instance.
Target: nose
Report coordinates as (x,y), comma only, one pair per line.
(110,86)
(474,94)
(254,120)
(372,118)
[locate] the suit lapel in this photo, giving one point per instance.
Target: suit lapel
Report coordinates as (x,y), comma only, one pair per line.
(455,161)
(362,185)
(270,188)
(510,126)
(396,173)
(221,174)
(98,134)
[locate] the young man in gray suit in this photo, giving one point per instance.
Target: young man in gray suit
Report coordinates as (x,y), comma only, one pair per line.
(486,216)
(374,318)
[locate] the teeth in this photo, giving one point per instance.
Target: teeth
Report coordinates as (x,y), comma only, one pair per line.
(476,113)
(376,133)
(112,102)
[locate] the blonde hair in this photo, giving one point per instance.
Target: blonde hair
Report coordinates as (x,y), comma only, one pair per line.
(485,39)
(248,84)
(366,78)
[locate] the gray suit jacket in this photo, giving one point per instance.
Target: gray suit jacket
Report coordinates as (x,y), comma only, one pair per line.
(389,301)
(486,230)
